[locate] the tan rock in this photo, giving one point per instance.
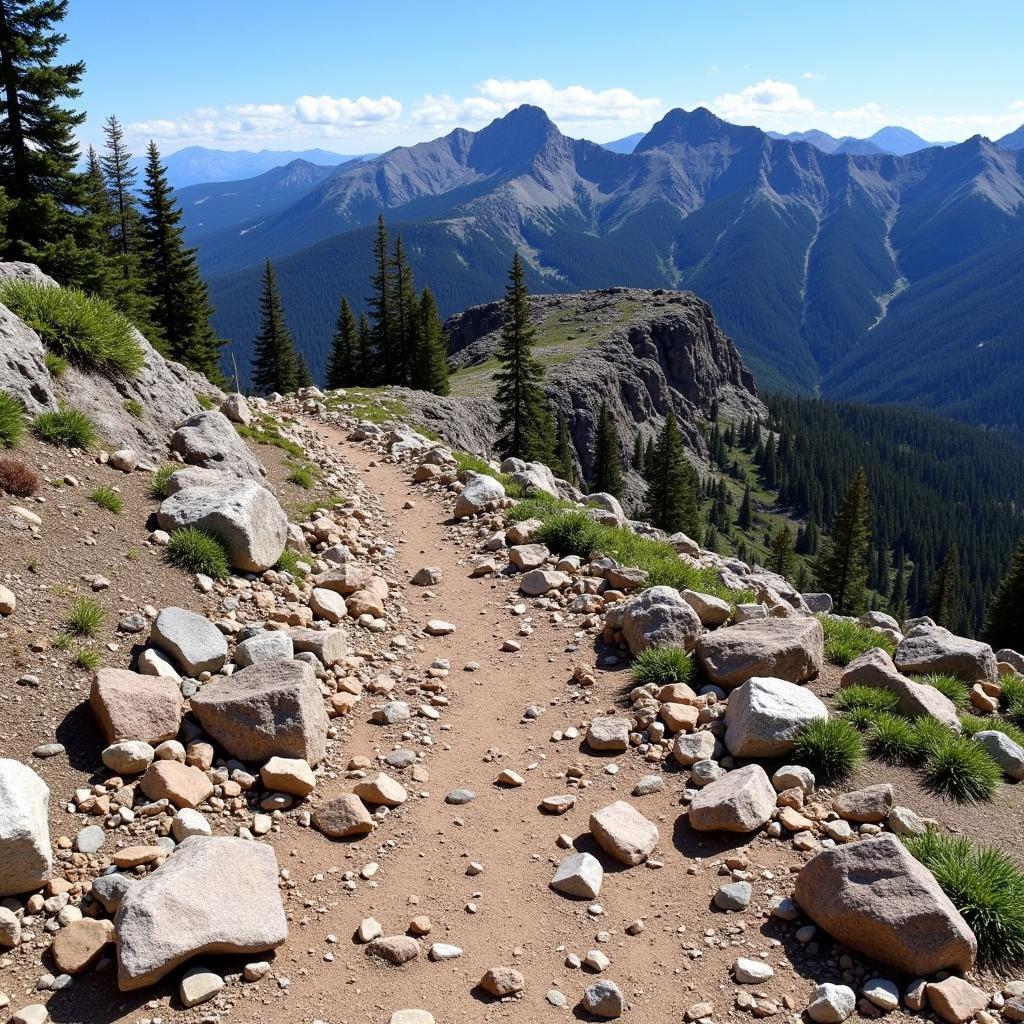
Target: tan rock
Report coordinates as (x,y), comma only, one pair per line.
(791,649)
(740,801)
(381,789)
(131,706)
(182,784)
(288,775)
(343,817)
(78,945)
(396,949)
(624,833)
(136,856)
(955,1000)
(679,717)
(872,804)
(501,982)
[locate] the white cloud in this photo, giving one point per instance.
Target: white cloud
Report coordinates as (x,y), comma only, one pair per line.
(761,103)
(813,76)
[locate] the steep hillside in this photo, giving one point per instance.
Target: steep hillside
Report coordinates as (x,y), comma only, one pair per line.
(803,254)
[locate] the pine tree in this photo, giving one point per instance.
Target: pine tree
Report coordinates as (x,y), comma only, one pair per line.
(431,363)
(781,551)
(120,177)
(672,503)
(38,152)
(842,568)
(341,366)
(565,454)
(405,315)
(180,303)
(366,363)
(944,592)
(302,378)
(381,316)
(638,454)
(606,456)
(898,598)
(275,365)
(649,459)
(746,516)
(521,402)
(95,231)
(1004,617)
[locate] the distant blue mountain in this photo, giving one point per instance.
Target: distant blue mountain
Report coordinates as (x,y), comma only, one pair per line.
(892,139)
(1015,140)
(626,145)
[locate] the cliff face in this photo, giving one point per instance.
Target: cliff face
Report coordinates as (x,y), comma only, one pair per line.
(643,352)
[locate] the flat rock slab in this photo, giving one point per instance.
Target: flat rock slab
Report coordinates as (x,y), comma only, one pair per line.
(872,804)
(624,833)
(934,649)
(183,785)
(608,734)
(213,895)
(740,801)
(329,645)
(26,857)
(272,708)
(792,649)
(132,706)
(764,716)
(874,897)
(192,640)
(270,645)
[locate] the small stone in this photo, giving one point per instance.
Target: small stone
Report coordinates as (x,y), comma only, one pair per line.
(751,972)
(734,896)
(90,839)
(955,1000)
(883,993)
(444,951)
(604,999)
(501,982)
(459,796)
(199,985)
(396,949)
(831,1004)
(79,945)
(291,775)
(438,627)
(579,875)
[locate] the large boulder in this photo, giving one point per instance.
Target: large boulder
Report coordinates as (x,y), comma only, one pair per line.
(26,857)
(1006,753)
(479,494)
(875,668)
(209,440)
(192,640)
(654,618)
(740,801)
(245,517)
(764,715)
(132,706)
(213,895)
(792,649)
(531,476)
(934,649)
(874,897)
(271,708)
(1008,656)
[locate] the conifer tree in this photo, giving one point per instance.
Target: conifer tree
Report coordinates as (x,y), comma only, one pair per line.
(405,316)
(672,503)
(302,378)
(38,152)
(944,592)
(842,568)
(275,364)
(381,316)
(366,364)
(95,232)
(565,455)
(745,517)
(527,432)
(120,177)
(606,456)
(898,597)
(341,365)
(180,303)
(781,551)
(431,362)
(648,459)
(1004,617)
(638,453)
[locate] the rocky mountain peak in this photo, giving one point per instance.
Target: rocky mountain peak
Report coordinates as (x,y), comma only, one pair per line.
(509,143)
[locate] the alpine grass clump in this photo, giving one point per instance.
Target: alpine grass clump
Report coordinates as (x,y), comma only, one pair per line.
(197,552)
(88,659)
(134,407)
(302,476)
(66,428)
(158,482)
(870,698)
(57,365)
(290,562)
(845,641)
(18,479)
(79,327)
(949,686)
(832,748)
(1013,698)
(986,887)
(893,739)
(958,768)
(662,666)
(972,724)
(12,420)
(108,498)
(86,618)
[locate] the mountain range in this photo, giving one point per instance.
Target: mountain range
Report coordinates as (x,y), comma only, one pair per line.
(196,164)
(889,278)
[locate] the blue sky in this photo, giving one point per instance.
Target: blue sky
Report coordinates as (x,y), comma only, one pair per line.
(364,77)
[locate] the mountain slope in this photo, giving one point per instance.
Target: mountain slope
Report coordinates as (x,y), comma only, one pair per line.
(196,164)
(803,254)
(1015,140)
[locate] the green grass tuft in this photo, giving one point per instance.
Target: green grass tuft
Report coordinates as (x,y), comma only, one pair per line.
(303,476)
(894,739)
(845,641)
(972,724)
(12,420)
(57,365)
(467,462)
(986,887)
(869,697)
(958,768)
(66,428)
(108,498)
(205,401)
(63,642)
(86,618)
(159,480)
(289,562)
(88,659)
(949,686)
(197,552)
(832,748)
(133,407)
(1013,698)
(79,327)
(662,666)
(539,506)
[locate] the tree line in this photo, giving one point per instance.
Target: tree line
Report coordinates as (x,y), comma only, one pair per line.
(90,227)
(401,342)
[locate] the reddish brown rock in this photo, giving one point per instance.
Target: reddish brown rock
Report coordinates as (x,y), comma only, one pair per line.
(130,706)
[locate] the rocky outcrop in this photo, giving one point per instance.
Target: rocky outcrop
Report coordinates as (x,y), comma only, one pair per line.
(165,390)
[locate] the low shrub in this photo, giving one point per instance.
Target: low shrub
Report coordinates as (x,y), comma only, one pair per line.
(949,686)
(538,506)
(17,478)
(108,498)
(159,480)
(832,748)
(303,476)
(986,887)
(197,552)
(79,327)
(205,401)
(845,641)
(662,666)
(1013,698)
(134,407)
(66,428)
(958,768)
(57,365)
(86,618)
(570,533)
(12,420)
